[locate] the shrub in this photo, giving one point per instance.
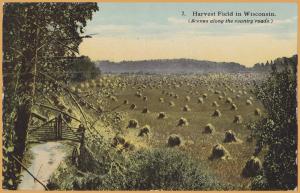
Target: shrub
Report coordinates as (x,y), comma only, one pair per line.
(145,169)
(168,169)
(259,182)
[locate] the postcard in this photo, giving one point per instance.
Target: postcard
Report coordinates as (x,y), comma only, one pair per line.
(151,96)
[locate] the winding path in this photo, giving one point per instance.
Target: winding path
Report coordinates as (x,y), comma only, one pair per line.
(46,159)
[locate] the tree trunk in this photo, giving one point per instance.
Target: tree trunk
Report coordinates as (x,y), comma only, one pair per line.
(26,94)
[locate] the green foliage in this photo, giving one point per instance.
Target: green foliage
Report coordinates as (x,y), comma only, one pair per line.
(37,37)
(278,131)
(154,169)
(83,69)
(168,169)
(259,183)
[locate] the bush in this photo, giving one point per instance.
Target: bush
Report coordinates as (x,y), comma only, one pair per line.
(165,169)
(278,131)
(151,169)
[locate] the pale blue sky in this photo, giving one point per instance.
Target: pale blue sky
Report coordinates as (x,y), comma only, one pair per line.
(133,31)
(143,19)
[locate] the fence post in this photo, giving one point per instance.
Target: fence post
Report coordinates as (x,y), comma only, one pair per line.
(59,126)
(55,127)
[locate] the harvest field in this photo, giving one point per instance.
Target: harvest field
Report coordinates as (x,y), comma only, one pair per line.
(195,98)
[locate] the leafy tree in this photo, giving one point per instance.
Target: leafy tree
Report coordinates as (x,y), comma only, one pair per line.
(37,37)
(278,131)
(83,69)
